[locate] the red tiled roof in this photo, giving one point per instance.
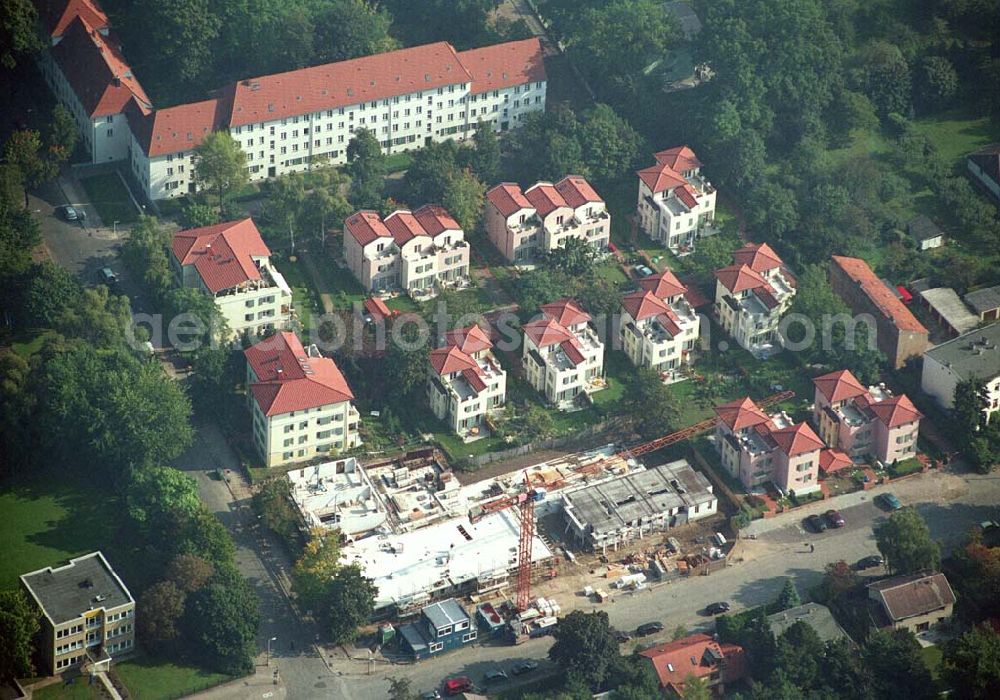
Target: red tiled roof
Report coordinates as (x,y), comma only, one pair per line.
(573,352)
(695,297)
(759,257)
(403,226)
(377,308)
(471,375)
(664,284)
(546,331)
(176,129)
(344,83)
(288,379)
(659,178)
(566,312)
(504,65)
(880,295)
(797,439)
(667,174)
(366,226)
(470,340)
(670,323)
(679,158)
(576,191)
(450,359)
(222,254)
(737,278)
(57,15)
(545,198)
(97,71)
(698,655)
(435,219)
(687,195)
(897,411)
(831,461)
(740,414)
(766,296)
(508,198)
(643,304)
(840,385)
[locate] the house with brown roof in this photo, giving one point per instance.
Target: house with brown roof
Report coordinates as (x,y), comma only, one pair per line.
(231,263)
(984,166)
(864,422)
(562,356)
(899,335)
(700,656)
(301,404)
(658,327)
(915,602)
(524,224)
(757,448)
(752,295)
(465,382)
(676,203)
(419,252)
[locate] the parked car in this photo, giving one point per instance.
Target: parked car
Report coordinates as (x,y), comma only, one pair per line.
(869,562)
(717,608)
(497,675)
(815,523)
(622,637)
(459,684)
(642,271)
(888,501)
(524,667)
(430,695)
(69,213)
(648,628)
(834,518)
(107,277)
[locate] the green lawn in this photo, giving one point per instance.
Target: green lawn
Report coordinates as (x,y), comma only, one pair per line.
(612,272)
(956,135)
(29,342)
(397,162)
(403,304)
(149,678)
(79,689)
(303,298)
(110,198)
(336,281)
(932,657)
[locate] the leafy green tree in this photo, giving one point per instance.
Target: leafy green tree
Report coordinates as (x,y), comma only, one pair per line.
(651,405)
(272,503)
(906,543)
(885,78)
(485,157)
(431,170)
(18,33)
(585,646)
(221,622)
(319,562)
(696,688)
(463,198)
(538,423)
(839,578)
(974,570)
(204,536)
(180,41)
(463,23)
(610,145)
(351,599)
(936,83)
(98,317)
(400,688)
(349,28)
(540,286)
(198,215)
(61,135)
(406,369)
(972,664)
(159,625)
(573,257)
(788,598)
(547,146)
(854,112)
(199,322)
(713,253)
(51,290)
(158,497)
(23,149)
(800,655)
(17,408)
(220,165)
(896,665)
(189,572)
(19,623)
(145,252)
(367,167)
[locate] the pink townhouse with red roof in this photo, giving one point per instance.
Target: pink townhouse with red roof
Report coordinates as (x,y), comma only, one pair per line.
(676,202)
(523,224)
(300,402)
(465,382)
(563,358)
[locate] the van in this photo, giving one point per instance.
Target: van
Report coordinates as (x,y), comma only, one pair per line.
(719,539)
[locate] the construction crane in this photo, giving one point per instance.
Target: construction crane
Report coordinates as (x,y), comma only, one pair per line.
(525,501)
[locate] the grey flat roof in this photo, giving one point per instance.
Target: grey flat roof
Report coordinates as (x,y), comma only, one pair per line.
(444,613)
(86,583)
(983,300)
(947,304)
(608,506)
(813,614)
(974,354)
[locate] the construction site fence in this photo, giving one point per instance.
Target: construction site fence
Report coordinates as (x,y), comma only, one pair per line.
(597,429)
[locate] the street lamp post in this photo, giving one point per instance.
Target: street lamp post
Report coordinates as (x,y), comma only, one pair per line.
(272,639)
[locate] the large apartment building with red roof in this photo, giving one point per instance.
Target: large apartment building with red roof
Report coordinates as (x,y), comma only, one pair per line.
(658,328)
(300,401)
(523,224)
(562,356)
(752,295)
(865,422)
(757,448)
(676,202)
(231,263)
(465,382)
(419,252)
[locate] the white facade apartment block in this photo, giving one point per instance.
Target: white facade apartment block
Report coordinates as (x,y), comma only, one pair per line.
(661,336)
(563,358)
(676,203)
(973,355)
(465,383)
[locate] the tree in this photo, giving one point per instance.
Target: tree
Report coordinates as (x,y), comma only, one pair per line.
(272,503)
(145,252)
(430,171)
(198,215)
(159,497)
(843,671)
(221,622)
(400,688)
(463,198)
(585,646)
(406,369)
(886,78)
(367,167)
(17,408)
(61,135)
(350,28)
(788,598)
(18,32)
(538,423)
(51,290)
(19,623)
(351,602)
(220,165)
(937,82)
(696,688)
(159,625)
(610,145)
(972,664)
(574,257)
(970,401)
(800,655)
(839,578)
(975,571)
(485,157)
(896,665)
(204,536)
(24,150)
(319,562)
(906,543)
(651,405)
(547,146)
(189,572)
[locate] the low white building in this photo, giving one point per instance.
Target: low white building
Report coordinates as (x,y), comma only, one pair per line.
(542,218)
(752,295)
(676,204)
(231,263)
(465,382)
(337,495)
(659,328)
(300,401)
(974,355)
(563,358)
(419,251)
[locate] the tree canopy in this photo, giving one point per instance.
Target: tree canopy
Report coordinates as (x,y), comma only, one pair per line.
(906,543)
(585,646)
(220,165)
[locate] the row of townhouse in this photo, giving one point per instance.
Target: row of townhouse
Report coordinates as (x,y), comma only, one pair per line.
(287,121)
(676,203)
(465,382)
(523,225)
(416,251)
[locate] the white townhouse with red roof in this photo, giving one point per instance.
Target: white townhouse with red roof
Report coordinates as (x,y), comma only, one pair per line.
(231,263)
(752,295)
(542,218)
(757,448)
(419,251)
(300,401)
(563,358)
(658,326)
(676,202)
(465,382)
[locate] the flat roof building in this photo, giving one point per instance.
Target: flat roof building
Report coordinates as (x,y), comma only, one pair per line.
(815,615)
(970,356)
(339,495)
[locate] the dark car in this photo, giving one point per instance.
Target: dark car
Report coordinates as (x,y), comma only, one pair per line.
(888,501)
(622,637)
(717,608)
(495,676)
(454,686)
(869,562)
(834,518)
(524,667)
(69,213)
(816,523)
(649,628)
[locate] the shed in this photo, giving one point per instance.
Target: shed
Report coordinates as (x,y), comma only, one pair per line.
(947,307)
(925,233)
(985,303)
